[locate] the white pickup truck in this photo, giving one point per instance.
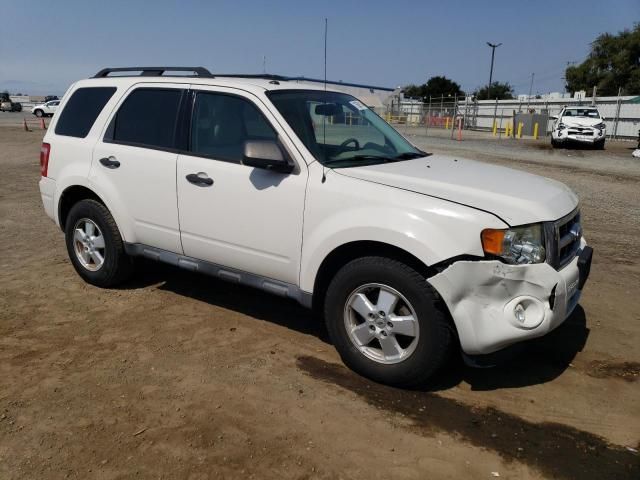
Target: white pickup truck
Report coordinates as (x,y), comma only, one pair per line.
(306,193)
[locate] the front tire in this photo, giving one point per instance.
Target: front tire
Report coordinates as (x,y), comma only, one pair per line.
(39,113)
(600,144)
(386,322)
(95,246)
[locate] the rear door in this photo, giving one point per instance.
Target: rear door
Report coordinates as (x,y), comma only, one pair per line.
(134,163)
(246,218)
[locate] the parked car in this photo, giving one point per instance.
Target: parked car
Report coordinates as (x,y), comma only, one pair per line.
(9,106)
(49,98)
(260,181)
(45,109)
(579,125)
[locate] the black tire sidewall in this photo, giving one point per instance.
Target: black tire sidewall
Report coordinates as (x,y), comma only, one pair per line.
(39,113)
(433,341)
(113,253)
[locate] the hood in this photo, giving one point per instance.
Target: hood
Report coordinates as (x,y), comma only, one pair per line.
(580,121)
(518,198)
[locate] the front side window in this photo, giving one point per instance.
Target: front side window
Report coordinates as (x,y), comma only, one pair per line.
(81,111)
(148,118)
(339,130)
(221,125)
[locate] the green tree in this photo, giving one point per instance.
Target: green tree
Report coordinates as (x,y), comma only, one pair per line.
(613,63)
(437,86)
(501,91)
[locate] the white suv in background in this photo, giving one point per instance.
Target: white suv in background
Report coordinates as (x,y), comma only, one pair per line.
(579,125)
(306,193)
(46,109)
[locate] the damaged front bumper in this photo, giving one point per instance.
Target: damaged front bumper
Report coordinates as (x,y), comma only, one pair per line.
(495,305)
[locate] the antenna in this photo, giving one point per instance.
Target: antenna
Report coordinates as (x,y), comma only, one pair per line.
(324,117)
(264,64)
(325,53)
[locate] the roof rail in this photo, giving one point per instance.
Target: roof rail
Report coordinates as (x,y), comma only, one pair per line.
(154,71)
(266,76)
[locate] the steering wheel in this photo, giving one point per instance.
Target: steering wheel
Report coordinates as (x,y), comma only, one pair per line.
(343,145)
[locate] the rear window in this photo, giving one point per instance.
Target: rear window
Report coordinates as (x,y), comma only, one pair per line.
(82,109)
(148,118)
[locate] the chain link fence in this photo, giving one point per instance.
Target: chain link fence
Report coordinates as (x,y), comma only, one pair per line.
(621,114)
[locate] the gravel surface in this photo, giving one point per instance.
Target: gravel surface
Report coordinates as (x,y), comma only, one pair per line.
(176,375)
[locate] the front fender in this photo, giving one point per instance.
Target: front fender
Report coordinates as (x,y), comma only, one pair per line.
(344,210)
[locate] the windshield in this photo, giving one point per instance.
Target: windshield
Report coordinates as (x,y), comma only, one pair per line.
(339,130)
(581,112)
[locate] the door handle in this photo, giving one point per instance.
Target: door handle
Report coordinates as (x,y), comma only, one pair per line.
(110,162)
(200,179)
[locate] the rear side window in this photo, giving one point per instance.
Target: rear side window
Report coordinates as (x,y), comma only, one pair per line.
(82,109)
(148,117)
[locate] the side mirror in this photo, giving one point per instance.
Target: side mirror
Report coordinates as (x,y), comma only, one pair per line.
(265,154)
(553,117)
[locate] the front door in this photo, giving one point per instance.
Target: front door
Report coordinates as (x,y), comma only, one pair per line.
(231,214)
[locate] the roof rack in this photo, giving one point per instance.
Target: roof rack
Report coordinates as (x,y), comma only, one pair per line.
(266,76)
(154,71)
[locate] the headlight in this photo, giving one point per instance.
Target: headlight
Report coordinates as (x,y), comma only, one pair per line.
(519,245)
(561,126)
(600,126)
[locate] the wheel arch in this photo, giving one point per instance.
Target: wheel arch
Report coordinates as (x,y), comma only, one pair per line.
(72,195)
(347,252)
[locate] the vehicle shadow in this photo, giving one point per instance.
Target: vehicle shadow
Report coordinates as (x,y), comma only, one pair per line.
(246,300)
(540,361)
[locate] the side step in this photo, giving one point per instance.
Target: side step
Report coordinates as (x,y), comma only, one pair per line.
(227,274)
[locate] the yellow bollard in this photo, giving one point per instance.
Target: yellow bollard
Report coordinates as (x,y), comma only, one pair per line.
(535,131)
(519,129)
(495,128)
(446,123)
(506,129)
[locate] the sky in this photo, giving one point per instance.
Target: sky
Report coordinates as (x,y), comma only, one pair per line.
(47,45)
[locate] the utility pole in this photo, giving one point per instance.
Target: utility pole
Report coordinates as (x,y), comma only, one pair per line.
(493,53)
(530,90)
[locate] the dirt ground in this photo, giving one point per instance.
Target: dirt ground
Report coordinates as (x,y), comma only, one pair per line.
(176,375)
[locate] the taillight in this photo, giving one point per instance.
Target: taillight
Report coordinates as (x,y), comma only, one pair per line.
(45,150)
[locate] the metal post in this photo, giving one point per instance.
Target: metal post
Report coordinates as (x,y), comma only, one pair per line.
(615,125)
(426,130)
(530,90)
(453,120)
(493,53)
(500,129)
(495,111)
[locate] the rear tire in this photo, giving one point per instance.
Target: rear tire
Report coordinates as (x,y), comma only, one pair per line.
(358,329)
(95,246)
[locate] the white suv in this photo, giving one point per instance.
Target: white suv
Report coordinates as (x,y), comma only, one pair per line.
(579,125)
(308,194)
(45,109)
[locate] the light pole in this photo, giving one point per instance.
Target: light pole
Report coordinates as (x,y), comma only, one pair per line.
(493,52)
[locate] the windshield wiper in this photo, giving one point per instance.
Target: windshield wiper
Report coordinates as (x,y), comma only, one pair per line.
(358,157)
(411,155)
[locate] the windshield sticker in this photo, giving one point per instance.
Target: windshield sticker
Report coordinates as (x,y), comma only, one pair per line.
(358,104)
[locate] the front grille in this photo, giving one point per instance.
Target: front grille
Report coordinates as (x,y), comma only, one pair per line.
(563,239)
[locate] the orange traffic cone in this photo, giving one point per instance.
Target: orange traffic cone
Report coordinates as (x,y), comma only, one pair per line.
(24,124)
(42,125)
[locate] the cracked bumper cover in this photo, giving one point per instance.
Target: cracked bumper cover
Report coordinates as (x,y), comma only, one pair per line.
(482,297)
